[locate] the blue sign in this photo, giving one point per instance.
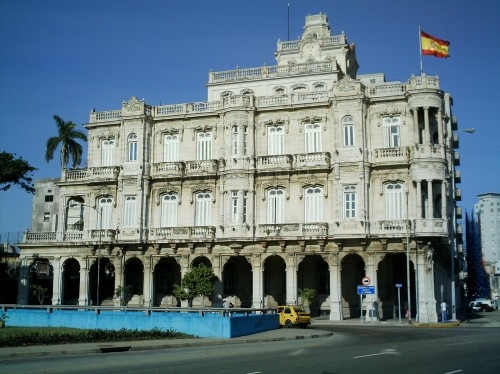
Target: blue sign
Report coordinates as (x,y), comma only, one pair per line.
(366,290)
(399,285)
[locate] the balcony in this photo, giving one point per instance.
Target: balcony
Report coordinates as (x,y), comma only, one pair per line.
(458,194)
(91,174)
(428,151)
(393,226)
(201,167)
(107,235)
(274,163)
(392,155)
(319,160)
(182,233)
(293,229)
(167,169)
(430,226)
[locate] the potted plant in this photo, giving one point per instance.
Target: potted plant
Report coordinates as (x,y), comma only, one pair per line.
(307,295)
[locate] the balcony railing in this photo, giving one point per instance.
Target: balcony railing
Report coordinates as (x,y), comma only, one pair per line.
(202,167)
(399,154)
(107,235)
(190,232)
(312,160)
(104,172)
(276,162)
(167,169)
(293,229)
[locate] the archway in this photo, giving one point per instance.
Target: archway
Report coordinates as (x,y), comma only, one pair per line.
(134,282)
(274,282)
(41,282)
(106,282)
(313,273)
(70,282)
(237,281)
(353,271)
(167,273)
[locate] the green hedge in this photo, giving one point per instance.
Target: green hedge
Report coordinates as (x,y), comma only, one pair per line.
(86,336)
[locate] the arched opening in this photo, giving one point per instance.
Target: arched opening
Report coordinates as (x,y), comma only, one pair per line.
(274,282)
(313,273)
(70,282)
(237,282)
(134,282)
(105,281)
(41,282)
(167,273)
(353,271)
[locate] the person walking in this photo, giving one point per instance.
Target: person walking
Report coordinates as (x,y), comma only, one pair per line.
(444,307)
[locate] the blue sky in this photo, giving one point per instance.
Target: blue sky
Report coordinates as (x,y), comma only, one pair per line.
(67,57)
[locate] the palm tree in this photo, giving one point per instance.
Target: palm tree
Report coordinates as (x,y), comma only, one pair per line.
(66,136)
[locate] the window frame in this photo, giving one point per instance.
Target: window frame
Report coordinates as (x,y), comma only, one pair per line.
(348,131)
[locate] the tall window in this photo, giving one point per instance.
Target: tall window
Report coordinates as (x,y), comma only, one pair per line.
(276,205)
(107,152)
(245,206)
(106,209)
(348,129)
(394,201)
(235,141)
(275,140)
(168,210)
(234,206)
(313,204)
(245,140)
(132,147)
(129,211)
(74,215)
(203,209)
(313,137)
(204,146)
(391,128)
(171,148)
(349,201)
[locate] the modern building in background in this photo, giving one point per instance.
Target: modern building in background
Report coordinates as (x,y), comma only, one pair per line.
(299,175)
(487,219)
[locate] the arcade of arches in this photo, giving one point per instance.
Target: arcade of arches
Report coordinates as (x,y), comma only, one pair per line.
(258,280)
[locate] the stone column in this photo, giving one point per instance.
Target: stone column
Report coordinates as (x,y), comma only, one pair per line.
(147,292)
(257,283)
(425,286)
(84,279)
(217,268)
(118,265)
(430,200)
(184,262)
(440,127)
(291,281)
(416,128)
(56,281)
(443,201)
(427,133)
(335,288)
(419,199)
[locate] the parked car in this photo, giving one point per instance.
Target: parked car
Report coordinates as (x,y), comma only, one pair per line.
(293,315)
(474,306)
(486,308)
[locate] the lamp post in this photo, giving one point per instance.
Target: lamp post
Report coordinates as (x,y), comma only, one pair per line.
(99,212)
(453,243)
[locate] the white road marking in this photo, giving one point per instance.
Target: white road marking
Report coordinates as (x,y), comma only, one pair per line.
(390,351)
(452,372)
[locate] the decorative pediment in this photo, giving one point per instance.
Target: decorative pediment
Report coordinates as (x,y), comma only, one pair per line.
(275,183)
(107,134)
(133,105)
(200,187)
(346,84)
(166,189)
(169,129)
(274,121)
(310,181)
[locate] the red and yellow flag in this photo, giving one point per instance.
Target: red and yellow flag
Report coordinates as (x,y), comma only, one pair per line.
(434,46)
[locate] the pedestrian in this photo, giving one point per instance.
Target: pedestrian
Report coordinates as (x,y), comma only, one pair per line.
(444,308)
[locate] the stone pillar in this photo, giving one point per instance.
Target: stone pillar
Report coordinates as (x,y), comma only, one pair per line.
(427,133)
(23,287)
(440,127)
(217,268)
(118,265)
(419,200)
(257,283)
(443,201)
(147,291)
(371,272)
(425,287)
(335,288)
(291,281)
(84,281)
(430,200)
(56,281)
(184,262)
(416,128)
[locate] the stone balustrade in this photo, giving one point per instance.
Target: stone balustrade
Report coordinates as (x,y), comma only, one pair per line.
(401,154)
(189,232)
(293,229)
(104,172)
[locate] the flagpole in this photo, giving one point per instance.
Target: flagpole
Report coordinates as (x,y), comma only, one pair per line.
(288,21)
(420,48)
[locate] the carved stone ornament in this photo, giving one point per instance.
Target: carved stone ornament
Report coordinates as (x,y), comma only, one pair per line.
(200,187)
(275,183)
(107,134)
(274,121)
(167,189)
(311,181)
(346,84)
(133,105)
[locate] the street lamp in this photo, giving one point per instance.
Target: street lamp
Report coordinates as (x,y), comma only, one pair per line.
(454,238)
(99,212)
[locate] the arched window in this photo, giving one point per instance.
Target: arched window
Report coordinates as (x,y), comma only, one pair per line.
(394,203)
(313,204)
(132,147)
(171,148)
(169,210)
(107,152)
(203,209)
(275,140)
(348,130)
(275,205)
(312,137)
(105,206)
(204,146)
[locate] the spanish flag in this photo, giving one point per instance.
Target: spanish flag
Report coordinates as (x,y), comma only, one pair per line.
(434,46)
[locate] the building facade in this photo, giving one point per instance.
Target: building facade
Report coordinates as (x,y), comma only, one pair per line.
(298,175)
(487,216)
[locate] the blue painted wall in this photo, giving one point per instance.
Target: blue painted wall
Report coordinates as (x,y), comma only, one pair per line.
(206,325)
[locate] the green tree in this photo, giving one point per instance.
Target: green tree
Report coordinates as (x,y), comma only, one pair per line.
(15,171)
(198,282)
(40,292)
(66,137)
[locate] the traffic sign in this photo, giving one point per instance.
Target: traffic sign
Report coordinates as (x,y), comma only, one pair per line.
(365,281)
(399,285)
(366,290)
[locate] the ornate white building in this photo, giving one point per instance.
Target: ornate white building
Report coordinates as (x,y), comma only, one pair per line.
(298,175)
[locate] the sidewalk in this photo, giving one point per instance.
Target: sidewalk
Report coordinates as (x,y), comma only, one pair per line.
(476,320)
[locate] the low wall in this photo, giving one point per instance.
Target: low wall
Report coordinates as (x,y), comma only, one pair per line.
(204,324)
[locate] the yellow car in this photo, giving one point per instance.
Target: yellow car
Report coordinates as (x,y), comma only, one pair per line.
(293,315)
